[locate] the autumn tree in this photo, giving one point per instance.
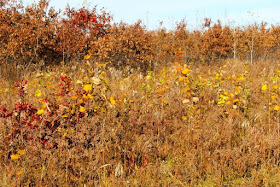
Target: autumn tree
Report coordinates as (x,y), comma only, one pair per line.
(126,45)
(79,28)
(27,34)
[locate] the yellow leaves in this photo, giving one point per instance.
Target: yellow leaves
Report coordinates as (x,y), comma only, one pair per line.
(43,105)
(160,91)
(74,97)
(228,78)
(164,101)
(184,118)
(236,101)
(65,116)
(21,152)
(276,108)
(38,93)
(15,157)
(237,90)
(274,87)
(38,75)
(41,111)
(103,73)
(264,87)
(75,178)
(221,103)
(87,87)
(19,172)
(181,79)
(81,101)
(240,79)
(82,109)
(187,89)
(273,98)
(63,136)
(103,64)
(88,96)
(217,76)
(185,71)
(162,81)
(136,167)
(87,57)
(228,103)
(112,100)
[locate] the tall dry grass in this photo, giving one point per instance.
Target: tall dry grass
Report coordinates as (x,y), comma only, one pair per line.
(166,128)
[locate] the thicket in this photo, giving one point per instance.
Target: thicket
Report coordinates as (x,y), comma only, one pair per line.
(39,34)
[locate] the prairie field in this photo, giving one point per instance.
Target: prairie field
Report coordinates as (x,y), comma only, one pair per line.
(88,102)
(180,125)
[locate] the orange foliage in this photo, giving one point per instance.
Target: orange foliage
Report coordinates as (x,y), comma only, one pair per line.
(79,28)
(125,45)
(29,34)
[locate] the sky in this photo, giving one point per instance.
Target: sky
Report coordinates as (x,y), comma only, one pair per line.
(151,12)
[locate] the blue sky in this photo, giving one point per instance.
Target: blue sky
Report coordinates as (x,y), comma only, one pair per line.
(151,12)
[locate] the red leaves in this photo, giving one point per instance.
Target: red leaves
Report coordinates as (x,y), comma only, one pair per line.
(43,142)
(21,84)
(133,121)
(137,160)
(64,85)
(3,112)
(22,119)
(79,28)
(3,109)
